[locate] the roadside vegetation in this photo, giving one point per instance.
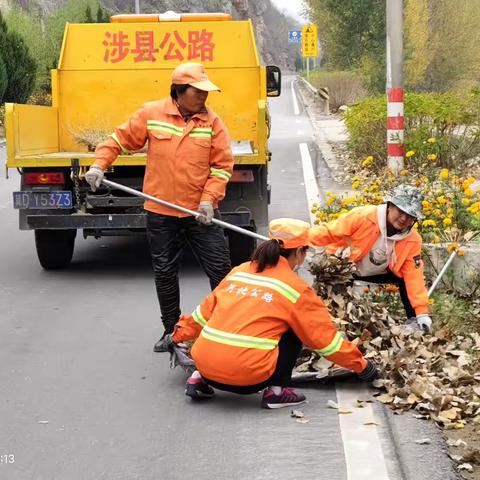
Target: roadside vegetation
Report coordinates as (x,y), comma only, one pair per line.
(30,46)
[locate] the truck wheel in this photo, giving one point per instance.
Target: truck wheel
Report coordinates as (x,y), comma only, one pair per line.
(55,248)
(241,247)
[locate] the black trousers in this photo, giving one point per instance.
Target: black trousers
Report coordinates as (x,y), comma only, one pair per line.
(167,236)
(390,277)
(289,348)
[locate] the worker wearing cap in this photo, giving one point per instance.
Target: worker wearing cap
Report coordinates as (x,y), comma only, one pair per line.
(385,247)
(189,163)
(249,331)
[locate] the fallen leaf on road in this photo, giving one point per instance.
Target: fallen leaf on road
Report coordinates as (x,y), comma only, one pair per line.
(456,443)
(297,414)
(303,420)
(423,441)
(332,404)
(344,412)
(370,423)
(465,466)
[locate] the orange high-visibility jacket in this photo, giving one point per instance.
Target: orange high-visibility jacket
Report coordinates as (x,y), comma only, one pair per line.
(186,162)
(241,322)
(359,230)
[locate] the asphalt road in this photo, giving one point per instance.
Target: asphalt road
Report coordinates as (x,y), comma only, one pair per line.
(83,396)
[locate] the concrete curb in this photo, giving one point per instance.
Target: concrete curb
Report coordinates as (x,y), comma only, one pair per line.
(320,122)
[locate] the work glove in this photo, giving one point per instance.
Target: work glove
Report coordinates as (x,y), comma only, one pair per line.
(424,322)
(206,213)
(370,372)
(94,177)
(166,344)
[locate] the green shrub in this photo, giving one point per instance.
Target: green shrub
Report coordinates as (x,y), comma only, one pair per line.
(344,88)
(21,69)
(450,118)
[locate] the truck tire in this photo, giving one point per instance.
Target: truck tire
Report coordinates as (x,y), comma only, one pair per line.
(55,248)
(241,247)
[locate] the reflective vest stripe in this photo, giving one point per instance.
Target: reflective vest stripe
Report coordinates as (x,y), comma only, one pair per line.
(223,174)
(157,125)
(201,133)
(117,141)
(281,287)
(333,347)
(198,317)
(236,340)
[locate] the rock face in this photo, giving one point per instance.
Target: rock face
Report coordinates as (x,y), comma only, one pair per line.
(271,27)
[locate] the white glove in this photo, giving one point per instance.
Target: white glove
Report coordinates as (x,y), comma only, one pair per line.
(424,322)
(94,177)
(206,213)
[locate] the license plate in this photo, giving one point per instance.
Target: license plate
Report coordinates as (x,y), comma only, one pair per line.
(43,200)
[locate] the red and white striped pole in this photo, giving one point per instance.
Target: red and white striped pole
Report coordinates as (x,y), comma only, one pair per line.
(395,116)
(395,128)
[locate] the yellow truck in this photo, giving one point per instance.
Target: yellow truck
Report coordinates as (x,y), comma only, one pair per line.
(105,73)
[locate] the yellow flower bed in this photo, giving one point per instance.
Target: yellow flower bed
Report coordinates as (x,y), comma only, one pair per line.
(449,206)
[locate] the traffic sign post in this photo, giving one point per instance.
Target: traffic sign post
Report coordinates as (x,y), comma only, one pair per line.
(309,44)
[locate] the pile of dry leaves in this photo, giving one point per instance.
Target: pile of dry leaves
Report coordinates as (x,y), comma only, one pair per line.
(437,375)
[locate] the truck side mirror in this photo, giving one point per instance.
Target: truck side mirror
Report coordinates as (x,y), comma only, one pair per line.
(274,81)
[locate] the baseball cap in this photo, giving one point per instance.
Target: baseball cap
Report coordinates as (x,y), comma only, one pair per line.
(290,232)
(193,74)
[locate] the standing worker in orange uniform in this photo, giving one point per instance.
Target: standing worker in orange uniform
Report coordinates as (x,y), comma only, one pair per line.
(385,247)
(189,163)
(249,331)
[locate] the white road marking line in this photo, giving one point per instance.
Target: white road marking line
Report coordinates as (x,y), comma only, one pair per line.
(363,452)
(310,181)
(296,110)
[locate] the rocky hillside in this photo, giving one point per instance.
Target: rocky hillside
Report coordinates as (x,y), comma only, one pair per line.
(271,26)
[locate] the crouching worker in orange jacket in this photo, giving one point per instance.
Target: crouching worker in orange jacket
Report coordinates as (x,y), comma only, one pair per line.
(249,331)
(385,247)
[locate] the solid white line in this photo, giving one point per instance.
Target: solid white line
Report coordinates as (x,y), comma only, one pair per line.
(296,110)
(363,452)
(309,179)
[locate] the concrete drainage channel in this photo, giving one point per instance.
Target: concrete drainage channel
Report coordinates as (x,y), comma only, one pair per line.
(400,458)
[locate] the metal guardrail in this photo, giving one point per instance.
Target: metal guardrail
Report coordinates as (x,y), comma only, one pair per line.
(318,93)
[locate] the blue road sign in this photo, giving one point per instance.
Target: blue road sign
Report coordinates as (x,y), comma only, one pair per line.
(294,36)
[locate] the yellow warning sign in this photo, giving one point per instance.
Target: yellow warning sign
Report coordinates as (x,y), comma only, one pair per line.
(309,41)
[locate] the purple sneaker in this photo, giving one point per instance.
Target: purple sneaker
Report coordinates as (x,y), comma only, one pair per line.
(197,388)
(288,398)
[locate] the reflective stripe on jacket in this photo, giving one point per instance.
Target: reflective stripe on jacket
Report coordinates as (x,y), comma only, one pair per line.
(359,230)
(186,162)
(238,326)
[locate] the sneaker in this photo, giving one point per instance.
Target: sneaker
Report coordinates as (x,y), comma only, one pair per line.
(197,388)
(288,398)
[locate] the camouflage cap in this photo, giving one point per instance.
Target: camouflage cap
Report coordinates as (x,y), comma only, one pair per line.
(408,199)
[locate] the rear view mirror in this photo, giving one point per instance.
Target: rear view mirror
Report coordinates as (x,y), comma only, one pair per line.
(274,81)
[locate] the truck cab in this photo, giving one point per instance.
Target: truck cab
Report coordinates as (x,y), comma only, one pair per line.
(105,73)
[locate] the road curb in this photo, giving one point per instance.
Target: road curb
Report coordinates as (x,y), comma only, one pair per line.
(320,138)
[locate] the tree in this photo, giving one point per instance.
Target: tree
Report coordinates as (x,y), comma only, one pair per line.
(19,65)
(3,79)
(353,36)
(88,15)
(102,15)
(21,69)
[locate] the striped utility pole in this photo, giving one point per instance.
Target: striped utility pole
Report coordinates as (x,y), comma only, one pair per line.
(395,118)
